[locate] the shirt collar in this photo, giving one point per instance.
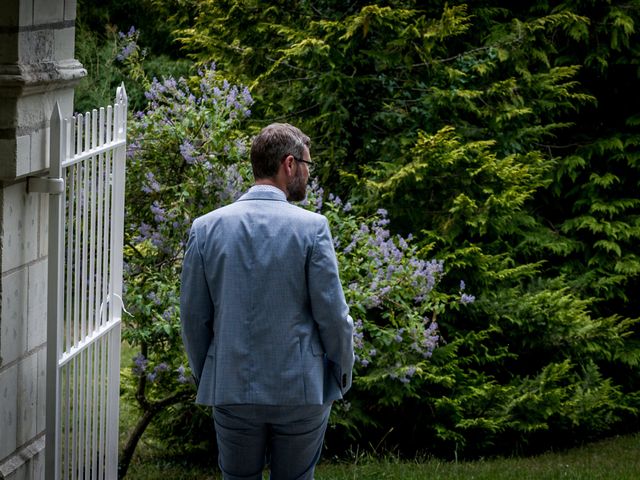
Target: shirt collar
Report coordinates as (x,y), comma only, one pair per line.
(268,188)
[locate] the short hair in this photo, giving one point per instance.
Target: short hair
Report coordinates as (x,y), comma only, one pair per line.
(272,144)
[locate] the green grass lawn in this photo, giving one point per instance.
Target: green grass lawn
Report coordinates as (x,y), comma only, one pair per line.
(616,458)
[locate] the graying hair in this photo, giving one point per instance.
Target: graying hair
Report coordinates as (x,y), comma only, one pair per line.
(272,144)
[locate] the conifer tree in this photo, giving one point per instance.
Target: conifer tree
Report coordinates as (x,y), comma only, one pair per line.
(506,139)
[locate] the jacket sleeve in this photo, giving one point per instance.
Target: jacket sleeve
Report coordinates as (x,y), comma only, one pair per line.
(196,307)
(329,308)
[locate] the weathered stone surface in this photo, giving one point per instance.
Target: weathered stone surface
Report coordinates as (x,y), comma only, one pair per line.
(26,464)
(27,399)
(22,79)
(37,304)
(8,410)
(20,220)
(47,11)
(13,329)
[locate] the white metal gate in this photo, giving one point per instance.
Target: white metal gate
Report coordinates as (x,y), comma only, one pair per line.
(85,287)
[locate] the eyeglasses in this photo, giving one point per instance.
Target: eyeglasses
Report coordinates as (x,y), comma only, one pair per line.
(303,161)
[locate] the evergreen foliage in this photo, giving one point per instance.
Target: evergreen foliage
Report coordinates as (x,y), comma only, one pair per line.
(505,138)
(482,129)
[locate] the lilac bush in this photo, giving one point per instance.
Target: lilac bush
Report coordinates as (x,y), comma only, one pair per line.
(393,297)
(186,156)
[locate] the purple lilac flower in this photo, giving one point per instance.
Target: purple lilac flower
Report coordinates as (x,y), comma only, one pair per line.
(358,335)
(157,240)
(391,269)
(139,364)
(430,338)
(145,232)
(230,184)
(161,367)
(188,152)
(130,47)
(158,369)
(374,301)
(398,337)
(430,271)
(171,84)
(241,146)
(151,185)
(133,148)
(159,213)
(246,96)
(350,247)
(466,299)
(126,51)
(168,313)
(155,92)
(384,290)
(232,98)
(153,296)
(181,374)
(335,199)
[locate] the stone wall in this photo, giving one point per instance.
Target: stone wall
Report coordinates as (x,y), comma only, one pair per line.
(37,70)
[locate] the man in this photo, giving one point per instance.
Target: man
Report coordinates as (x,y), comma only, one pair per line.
(264,319)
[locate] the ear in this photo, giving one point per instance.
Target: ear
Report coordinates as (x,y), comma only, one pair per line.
(288,165)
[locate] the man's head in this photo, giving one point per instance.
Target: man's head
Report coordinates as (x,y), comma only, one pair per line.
(278,154)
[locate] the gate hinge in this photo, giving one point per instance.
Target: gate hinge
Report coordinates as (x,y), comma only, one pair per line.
(52,186)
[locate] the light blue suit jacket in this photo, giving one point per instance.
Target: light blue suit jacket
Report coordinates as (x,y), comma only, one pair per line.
(264,318)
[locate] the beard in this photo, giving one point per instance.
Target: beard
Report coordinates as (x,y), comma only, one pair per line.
(297,188)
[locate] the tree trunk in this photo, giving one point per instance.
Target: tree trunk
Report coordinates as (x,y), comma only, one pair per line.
(132,442)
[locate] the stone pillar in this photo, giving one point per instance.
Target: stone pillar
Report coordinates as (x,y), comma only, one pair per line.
(37,70)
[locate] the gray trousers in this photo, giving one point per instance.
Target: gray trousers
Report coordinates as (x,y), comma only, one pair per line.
(289,438)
